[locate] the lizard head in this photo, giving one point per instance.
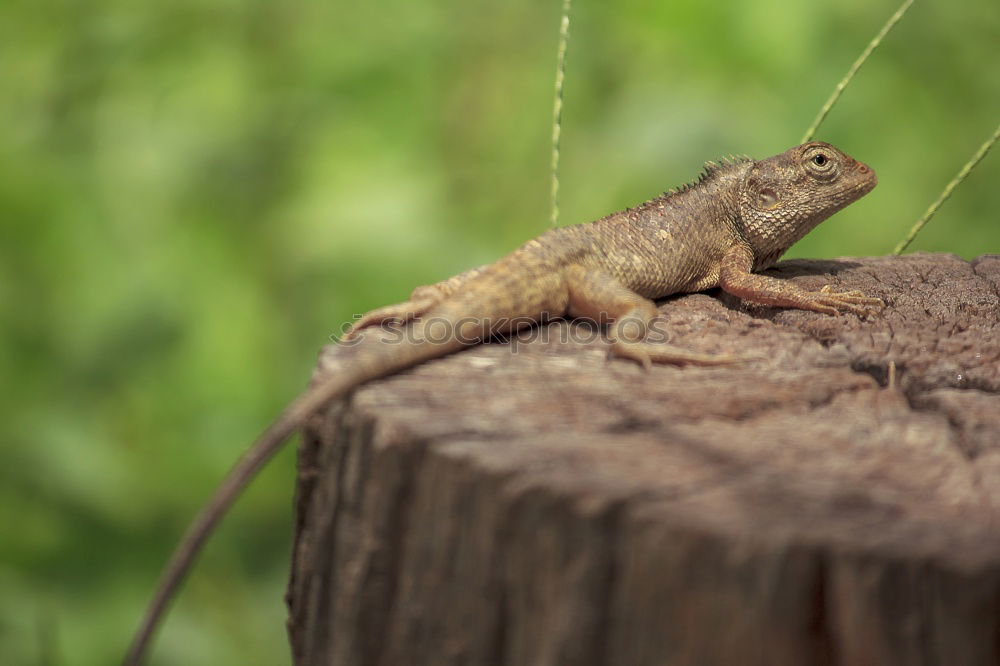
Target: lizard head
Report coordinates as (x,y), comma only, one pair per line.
(783,197)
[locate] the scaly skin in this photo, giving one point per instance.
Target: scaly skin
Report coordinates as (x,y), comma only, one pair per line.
(738,218)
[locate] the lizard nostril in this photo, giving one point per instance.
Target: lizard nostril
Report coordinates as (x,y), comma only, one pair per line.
(862,168)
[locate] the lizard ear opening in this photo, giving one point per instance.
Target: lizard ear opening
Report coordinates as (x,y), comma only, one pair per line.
(766,199)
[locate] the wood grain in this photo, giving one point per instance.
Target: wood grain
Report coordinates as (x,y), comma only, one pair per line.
(529,502)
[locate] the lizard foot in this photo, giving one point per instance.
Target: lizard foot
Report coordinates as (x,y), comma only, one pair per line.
(831,302)
(400,313)
(647,353)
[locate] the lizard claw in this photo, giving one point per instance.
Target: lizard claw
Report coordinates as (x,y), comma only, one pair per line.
(647,353)
(832,302)
(632,352)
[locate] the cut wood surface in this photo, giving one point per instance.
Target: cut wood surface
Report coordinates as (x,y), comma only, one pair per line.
(529,502)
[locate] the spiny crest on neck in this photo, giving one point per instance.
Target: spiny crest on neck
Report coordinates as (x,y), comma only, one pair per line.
(711,170)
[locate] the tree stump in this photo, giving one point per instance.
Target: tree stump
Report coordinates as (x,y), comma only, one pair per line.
(528,502)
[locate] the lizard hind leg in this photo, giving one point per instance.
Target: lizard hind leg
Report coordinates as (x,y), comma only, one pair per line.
(646,352)
(420,302)
(399,313)
(598,296)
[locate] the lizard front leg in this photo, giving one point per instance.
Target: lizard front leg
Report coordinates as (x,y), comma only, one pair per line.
(736,278)
(596,295)
(421,300)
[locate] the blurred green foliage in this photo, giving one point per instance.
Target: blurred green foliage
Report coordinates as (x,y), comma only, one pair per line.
(194,195)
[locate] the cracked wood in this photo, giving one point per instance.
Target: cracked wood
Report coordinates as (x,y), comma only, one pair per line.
(527,502)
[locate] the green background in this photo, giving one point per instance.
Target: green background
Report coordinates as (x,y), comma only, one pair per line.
(194,196)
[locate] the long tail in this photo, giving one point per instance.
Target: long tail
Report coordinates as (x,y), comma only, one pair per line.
(372,361)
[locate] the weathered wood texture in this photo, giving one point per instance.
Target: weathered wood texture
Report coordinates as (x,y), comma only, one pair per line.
(534,504)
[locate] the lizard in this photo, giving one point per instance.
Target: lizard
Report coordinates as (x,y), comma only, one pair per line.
(720,230)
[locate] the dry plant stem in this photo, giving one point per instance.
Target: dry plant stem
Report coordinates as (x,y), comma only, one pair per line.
(872,45)
(948,189)
(557,108)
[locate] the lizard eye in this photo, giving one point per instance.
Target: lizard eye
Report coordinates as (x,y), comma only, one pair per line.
(821,165)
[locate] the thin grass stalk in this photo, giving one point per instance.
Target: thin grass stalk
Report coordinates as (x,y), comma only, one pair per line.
(948,189)
(557,105)
(872,45)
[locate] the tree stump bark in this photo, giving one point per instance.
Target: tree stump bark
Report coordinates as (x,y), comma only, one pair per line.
(529,502)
